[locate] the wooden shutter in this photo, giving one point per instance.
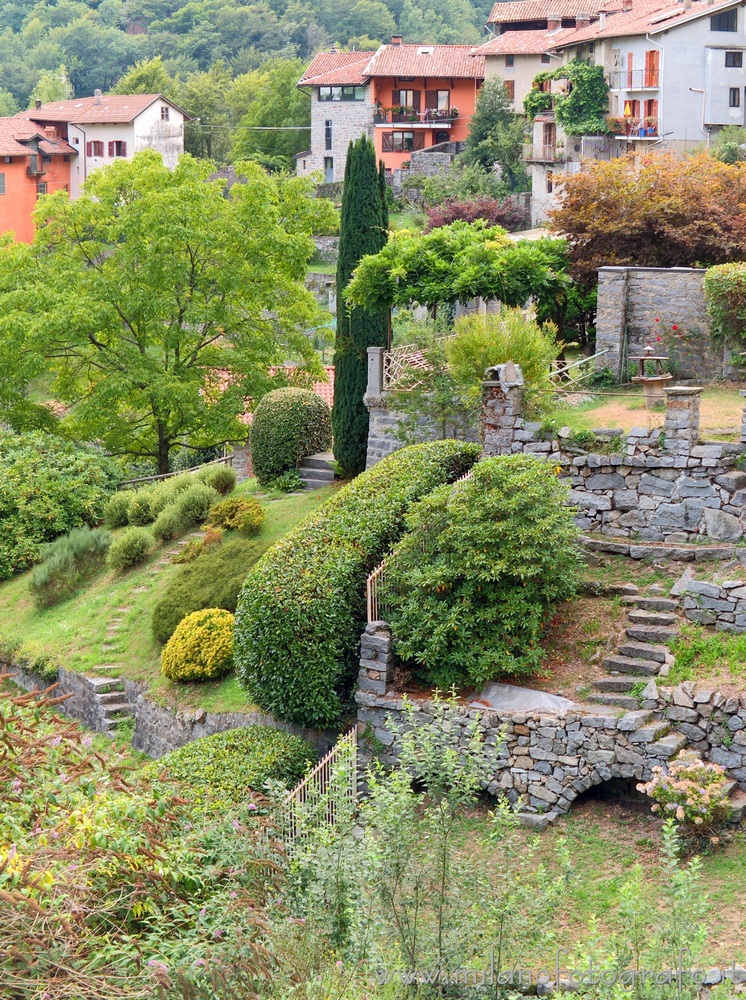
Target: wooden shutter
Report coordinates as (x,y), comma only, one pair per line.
(630,64)
(388,142)
(395,98)
(89,149)
(651,68)
(416,100)
(510,89)
(124,149)
(111,149)
(431,100)
(418,140)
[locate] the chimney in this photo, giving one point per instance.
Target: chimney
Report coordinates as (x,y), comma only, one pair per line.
(554,22)
(50,132)
(626,6)
(396,39)
(582,20)
(602,20)
(687,4)
(97,96)
(37,103)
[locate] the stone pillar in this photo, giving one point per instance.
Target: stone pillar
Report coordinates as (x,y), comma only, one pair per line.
(242,464)
(502,406)
(375,371)
(376,658)
(611,318)
(743,420)
(681,429)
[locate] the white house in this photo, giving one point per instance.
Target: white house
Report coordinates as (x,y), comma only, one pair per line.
(104,128)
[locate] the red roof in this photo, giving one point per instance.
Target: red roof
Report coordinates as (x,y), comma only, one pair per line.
(14,133)
(435,61)
(646,17)
(523,43)
(114,109)
(336,68)
(540,10)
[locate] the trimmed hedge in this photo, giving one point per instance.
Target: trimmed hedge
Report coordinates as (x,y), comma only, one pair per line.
(302,607)
(288,424)
(201,648)
(220,770)
(213,580)
(221,478)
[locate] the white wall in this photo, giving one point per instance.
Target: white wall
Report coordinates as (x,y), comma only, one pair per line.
(522,73)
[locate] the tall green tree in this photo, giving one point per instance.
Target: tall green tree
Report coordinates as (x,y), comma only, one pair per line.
(158,304)
(496,134)
(362,231)
(270,132)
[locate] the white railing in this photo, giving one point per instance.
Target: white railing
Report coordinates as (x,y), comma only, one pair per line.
(401,364)
(567,376)
(327,795)
(376,604)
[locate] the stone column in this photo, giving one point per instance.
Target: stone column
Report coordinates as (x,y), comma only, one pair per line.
(743,420)
(242,464)
(502,406)
(375,371)
(681,429)
(376,658)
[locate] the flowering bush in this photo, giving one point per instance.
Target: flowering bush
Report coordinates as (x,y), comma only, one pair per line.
(692,790)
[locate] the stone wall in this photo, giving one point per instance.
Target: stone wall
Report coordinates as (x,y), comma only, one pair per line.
(81,704)
(631,299)
(350,120)
(720,604)
(327,248)
(543,760)
(657,485)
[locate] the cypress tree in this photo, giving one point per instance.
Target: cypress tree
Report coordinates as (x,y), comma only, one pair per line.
(362,231)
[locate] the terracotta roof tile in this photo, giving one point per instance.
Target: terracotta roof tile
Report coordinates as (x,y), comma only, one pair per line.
(115,109)
(645,18)
(336,68)
(435,61)
(522,43)
(14,132)
(539,10)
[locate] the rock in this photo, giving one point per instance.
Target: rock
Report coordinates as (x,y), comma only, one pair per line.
(538,821)
(650,691)
(680,697)
(703,588)
(732,481)
(634,720)
(605,481)
(722,526)
(726,758)
(681,585)
(654,486)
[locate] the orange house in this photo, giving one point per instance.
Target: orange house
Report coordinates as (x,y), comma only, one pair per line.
(423,95)
(34,160)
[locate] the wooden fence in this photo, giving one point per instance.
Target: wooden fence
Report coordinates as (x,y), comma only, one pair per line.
(132,483)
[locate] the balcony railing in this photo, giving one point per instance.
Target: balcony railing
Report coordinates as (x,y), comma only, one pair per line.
(544,154)
(634,128)
(408,116)
(634,79)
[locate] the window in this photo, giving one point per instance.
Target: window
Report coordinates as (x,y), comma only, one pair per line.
(117,148)
(164,113)
(438,102)
(550,181)
(94,148)
(2,183)
(726,21)
(544,57)
(329,169)
(66,158)
(510,60)
(510,89)
(408,98)
(734,59)
(652,64)
(734,97)
(403,142)
(41,188)
(341,93)
(328,133)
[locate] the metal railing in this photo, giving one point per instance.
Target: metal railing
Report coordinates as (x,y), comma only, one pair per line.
(408,116)
(634,127)
(129,483)
(325,796)
(634,79)
(544,154)
(403,363)
(375,603)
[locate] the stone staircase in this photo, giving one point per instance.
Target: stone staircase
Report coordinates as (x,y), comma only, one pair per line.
(642,657)
(112,701)
(317,470)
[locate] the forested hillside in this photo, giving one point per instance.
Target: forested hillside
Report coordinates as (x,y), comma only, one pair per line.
(225,62)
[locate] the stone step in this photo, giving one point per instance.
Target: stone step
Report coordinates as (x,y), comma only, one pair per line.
(654,603)
(619,685)
(113,697)
(738,806)
(315,484)
(116,710)
(654,732)
(618,700)
(106,666)
(630,665)
(639,616)
(321,460)
(651,633)
(668,746)
(644,651)
(102,685)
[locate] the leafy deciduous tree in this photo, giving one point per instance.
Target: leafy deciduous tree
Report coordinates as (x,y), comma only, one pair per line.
(496,134)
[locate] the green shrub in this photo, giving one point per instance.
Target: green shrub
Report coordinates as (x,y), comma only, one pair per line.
(168,524)
(725,298)
(482,563)
(129,549)
(288,424)
(302,607)
(139,512)
(47,487)
(213,580)
(8,647)
(220,769)
(67,562)
(36,660)
(244,514)
(221,478)
(193,505)
(167,492)
(201,648)
(288,482)
(116,511)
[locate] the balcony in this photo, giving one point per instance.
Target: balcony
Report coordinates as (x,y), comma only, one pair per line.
(429,118)
(34,167)
(634,79)
(544,154)
(634,128)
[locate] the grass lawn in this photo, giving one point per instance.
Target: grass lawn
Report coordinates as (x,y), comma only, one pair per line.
(75,631)
(721,408)
(322,266)
(412,218)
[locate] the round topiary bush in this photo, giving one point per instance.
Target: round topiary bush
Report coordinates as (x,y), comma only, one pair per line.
(139,512)
(193,505)
(244,514)
(201,648)
(288,425)
(129,549)
(221,769)
(116,511)
(168,524)
(221,478)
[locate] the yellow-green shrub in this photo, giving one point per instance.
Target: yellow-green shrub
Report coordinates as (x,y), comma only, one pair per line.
(201,647)
(244,514)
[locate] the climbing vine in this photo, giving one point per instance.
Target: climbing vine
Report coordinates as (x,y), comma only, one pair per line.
(582,109)
(725,297)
